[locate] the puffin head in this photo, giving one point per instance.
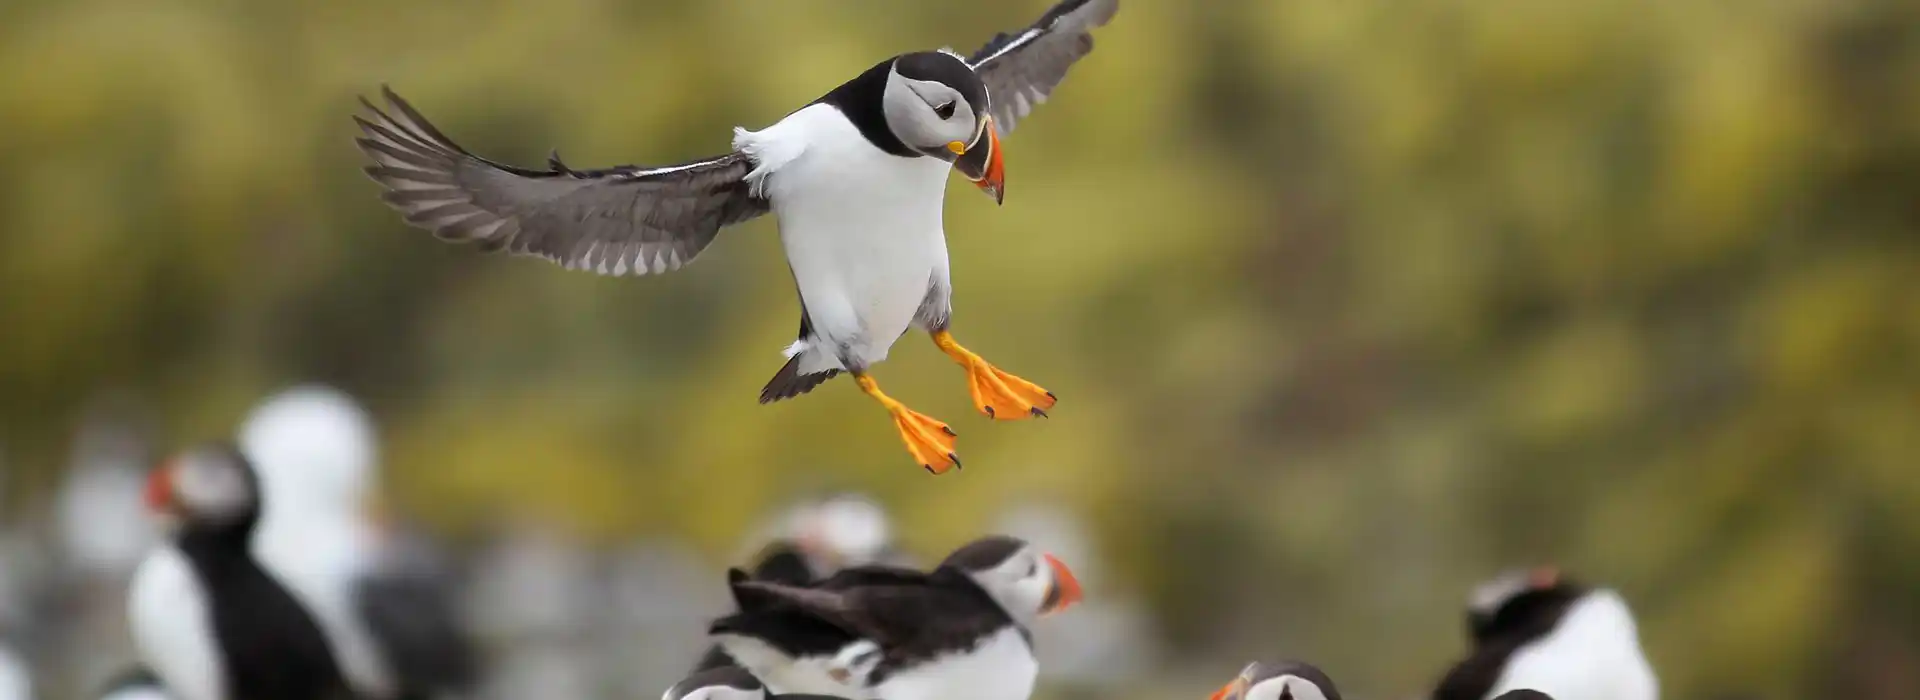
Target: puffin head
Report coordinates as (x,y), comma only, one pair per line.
(936,105)
(723,683)
(1285,680)
(1519,599)
(209,486)
(1026,582)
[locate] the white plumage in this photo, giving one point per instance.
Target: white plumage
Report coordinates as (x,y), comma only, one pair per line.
(170,617)
(1593,654)
(861,228)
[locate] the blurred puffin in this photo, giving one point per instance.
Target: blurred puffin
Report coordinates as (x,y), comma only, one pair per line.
(822,537)
(959,632)
(206,616)
(1542,631)
(1284,680)
(857,180)
(389,618)
(728,683)
(137,683)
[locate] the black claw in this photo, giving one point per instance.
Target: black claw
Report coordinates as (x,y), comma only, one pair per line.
(1051,396)
(949,430)
(989,411)
(929,469)
(956,460)
(1038,412)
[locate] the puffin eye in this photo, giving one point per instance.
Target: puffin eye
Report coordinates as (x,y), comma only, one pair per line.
(945,111)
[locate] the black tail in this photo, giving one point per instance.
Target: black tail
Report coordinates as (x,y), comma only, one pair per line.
(789,382)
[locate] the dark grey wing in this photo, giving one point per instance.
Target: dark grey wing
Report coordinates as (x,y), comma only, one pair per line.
(617,221)
(413,622)
(1022,68)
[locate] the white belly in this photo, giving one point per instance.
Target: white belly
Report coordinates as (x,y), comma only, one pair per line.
(167,609)
(862,232)
(1001,668)
(1593,655)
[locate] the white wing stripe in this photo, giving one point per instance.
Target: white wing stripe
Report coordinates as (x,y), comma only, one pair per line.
(1023,40)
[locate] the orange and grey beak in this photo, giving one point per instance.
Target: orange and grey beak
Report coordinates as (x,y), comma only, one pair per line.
(1066,588)
(159,493)
(1232,691)
(981,161)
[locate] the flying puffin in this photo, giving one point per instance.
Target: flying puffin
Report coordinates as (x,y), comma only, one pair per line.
(1285,680)
(959,632)
(389,618)
(857,179)
(728,683)
(1539,630)
(206,616)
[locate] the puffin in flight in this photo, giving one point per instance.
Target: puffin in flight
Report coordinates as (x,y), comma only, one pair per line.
(857,180)
(1541,631)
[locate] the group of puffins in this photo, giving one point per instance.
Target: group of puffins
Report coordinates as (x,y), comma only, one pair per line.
(272,584)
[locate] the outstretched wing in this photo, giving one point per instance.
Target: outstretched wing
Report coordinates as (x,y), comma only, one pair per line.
(617,221)
(1022,68)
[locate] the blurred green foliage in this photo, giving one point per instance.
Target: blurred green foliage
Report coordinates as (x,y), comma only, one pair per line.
(1348,303)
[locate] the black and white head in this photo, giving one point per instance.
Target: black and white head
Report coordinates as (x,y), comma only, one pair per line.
(1285,680)
(723,683)
(938,106)
(1527,602)
(1026,582)
(1523,694)
(209,487)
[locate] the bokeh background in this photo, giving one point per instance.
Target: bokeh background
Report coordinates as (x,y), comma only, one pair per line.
(1349,305)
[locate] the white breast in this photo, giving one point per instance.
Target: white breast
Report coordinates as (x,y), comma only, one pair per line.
(1001,668)
(172,625)
(1594,654)
(861,228)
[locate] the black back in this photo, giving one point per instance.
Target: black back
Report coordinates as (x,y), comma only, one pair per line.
(271,645)
(779,562)
(1519,621)
(413,622)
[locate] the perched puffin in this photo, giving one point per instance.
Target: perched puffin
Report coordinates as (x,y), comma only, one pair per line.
(821,538)
(857,180)
(728,683)
(1285,680)
(1542,631)
(390,619)
(137,683)
(206,616)
(958,632)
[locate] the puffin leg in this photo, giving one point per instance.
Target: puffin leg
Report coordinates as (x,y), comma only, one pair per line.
(928,440)
(997,393)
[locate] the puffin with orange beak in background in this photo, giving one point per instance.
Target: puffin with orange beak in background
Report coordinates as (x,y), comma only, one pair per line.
(1285,680)
(857,180)
(206,616)
(958,632)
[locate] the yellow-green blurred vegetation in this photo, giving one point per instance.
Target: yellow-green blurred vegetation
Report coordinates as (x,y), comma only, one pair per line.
(1349,303)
